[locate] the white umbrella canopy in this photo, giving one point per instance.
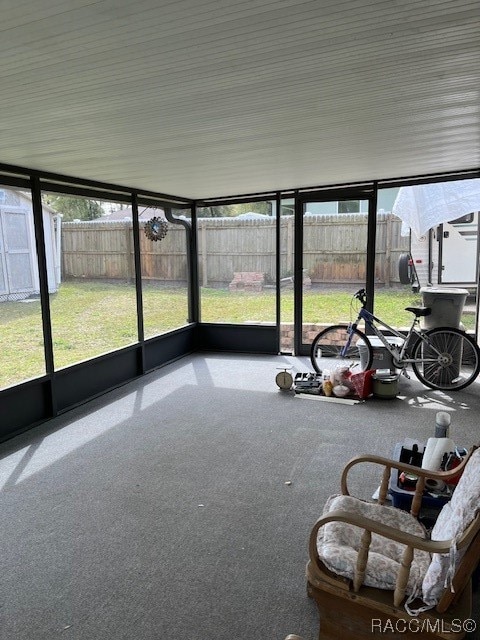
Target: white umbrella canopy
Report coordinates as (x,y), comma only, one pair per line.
(422,207)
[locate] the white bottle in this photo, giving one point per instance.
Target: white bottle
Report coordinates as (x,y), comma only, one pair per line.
(442,424)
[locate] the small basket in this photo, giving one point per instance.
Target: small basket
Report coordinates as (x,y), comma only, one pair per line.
(362,383)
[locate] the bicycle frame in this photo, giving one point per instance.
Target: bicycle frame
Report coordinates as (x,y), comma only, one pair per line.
(443,357)
(399,356)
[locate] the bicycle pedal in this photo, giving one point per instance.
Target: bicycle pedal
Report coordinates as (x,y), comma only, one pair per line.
(404,373)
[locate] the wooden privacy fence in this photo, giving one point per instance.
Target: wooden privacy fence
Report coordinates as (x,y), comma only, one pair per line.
(100,249)
(334,249)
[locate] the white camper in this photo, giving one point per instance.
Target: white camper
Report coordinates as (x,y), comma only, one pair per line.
(444,221)
(448,253)
(458,250)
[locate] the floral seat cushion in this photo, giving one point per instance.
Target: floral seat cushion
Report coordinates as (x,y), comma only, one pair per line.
(338,544)
(452,521)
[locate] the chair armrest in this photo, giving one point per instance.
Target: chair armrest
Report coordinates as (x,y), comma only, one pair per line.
(367,524)
(408,539)
(401,466)
(388,464)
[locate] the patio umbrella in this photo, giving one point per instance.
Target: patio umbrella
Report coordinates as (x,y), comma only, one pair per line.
(422,207)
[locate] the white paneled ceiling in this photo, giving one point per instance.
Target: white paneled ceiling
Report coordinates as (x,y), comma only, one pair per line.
(203,98)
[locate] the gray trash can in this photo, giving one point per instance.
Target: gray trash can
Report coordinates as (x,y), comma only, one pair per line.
(446,305)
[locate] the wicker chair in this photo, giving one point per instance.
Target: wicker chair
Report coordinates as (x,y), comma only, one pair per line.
(373,569)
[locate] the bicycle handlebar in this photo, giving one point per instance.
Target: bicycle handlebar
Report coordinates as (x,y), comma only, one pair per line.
(361,295)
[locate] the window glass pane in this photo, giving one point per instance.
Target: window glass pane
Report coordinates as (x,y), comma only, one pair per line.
(94,309)
(236,246)
(445,255)
(164,270)
(287,248)
(334,262)
(391,296)
(349,206)
(21,335)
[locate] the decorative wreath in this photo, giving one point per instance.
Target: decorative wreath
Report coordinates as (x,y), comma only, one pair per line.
(156,229)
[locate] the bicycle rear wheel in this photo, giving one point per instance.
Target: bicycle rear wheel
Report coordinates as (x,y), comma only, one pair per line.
(328,345)
(449,361)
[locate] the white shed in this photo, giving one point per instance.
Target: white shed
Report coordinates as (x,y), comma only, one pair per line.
(18,257)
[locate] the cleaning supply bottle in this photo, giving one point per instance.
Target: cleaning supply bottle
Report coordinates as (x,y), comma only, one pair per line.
(442,424)
(440,445)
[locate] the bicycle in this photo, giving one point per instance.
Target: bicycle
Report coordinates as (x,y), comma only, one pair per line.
(443,358)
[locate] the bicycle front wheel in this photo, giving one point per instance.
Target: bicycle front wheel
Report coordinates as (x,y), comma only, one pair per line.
(448,360)
(349,346)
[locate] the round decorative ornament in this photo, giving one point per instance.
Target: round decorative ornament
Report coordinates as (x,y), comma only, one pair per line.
(156,229)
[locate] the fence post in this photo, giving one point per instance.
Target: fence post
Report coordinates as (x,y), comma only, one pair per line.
(290,245)
(388,249)
(203,250)
(129,238)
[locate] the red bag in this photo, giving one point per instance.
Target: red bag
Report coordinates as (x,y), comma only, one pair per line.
(362,383)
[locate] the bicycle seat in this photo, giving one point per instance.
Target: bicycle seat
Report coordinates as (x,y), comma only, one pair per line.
(420,312)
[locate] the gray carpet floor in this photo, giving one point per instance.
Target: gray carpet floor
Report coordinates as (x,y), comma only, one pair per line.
(179,506)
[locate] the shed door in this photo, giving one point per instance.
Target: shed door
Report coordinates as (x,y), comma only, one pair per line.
(16,249)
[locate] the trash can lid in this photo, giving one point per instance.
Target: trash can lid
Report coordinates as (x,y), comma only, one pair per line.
(448,291)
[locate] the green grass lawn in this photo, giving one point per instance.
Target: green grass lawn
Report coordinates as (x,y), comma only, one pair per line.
(220,305)
(88,319)
(91,318)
